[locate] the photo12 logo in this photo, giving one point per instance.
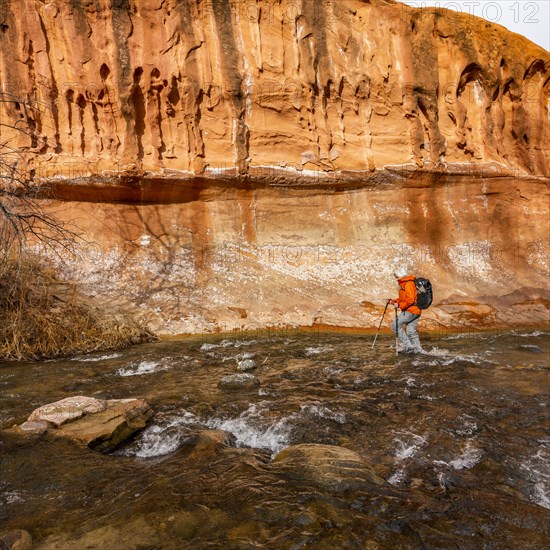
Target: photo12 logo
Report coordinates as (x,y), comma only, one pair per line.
(491,10)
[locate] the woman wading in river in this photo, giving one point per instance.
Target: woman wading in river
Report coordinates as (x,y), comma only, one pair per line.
(405,324)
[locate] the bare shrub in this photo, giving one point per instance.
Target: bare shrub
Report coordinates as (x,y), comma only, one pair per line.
(43,317)
(40,315)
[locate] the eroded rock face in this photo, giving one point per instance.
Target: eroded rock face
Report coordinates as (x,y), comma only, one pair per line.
(253,87)
(96,423)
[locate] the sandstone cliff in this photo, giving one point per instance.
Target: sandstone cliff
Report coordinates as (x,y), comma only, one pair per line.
(247,163)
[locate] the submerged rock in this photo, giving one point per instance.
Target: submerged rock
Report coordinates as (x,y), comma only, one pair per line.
(99,424)
(531,348)
(330,467)
(242,381)
(210,443)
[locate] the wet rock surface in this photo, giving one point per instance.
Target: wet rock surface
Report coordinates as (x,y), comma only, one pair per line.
(333,468)
(247,365)
(241,381)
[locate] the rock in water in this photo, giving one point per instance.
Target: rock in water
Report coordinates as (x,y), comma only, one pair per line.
(67,410)
(209,443)
(246,365)
(330,467)
(105,430)
(242,381)
(99,424)
(531,348)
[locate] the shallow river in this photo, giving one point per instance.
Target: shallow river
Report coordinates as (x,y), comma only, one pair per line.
(459,434)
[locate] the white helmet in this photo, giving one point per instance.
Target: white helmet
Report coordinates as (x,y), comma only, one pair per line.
(401,272)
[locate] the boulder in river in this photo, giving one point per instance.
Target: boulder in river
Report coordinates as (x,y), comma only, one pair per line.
(241,381)
(330,467)
(209,443)
(99,424)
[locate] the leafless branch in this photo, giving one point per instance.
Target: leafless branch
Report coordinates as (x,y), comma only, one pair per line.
(23,218)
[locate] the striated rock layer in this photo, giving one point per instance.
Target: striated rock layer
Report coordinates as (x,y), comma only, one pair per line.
(225,258)
(243,164)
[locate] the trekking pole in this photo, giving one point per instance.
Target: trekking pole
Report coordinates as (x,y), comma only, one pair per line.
(396,335)
(381,320)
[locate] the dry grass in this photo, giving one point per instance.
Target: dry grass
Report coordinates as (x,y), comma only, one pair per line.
(43,317)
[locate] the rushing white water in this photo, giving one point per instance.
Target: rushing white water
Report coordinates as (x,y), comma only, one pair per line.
(252,429)
(157,441)
(320,411)
(144,367)
(535,333)
(397,478)
(537,470)
(446,358)
(95,358)
(162,438)
(11,497)
(467,427)
(317,350)
(408,444)
(470,456)
(227,344)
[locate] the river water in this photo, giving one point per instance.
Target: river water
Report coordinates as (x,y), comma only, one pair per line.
(459,434)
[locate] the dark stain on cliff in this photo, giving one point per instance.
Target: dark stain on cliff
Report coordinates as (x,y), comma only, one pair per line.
(81,23)
(10,92)
(138,104)
(122,30)
(314,14)
(233,78)
(425,65)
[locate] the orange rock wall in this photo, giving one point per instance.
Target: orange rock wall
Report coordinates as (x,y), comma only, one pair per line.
(208,85)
